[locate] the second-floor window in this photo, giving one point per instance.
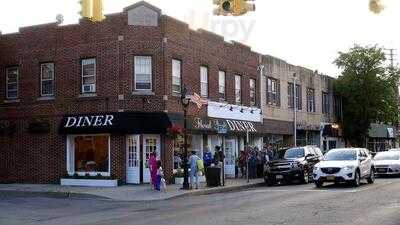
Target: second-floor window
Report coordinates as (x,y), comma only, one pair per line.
(299,97)
(204,81)
(291,98)
(221,85)
(337,106)
(310,100)
(12,74)
(253,92)
(47,79)
(143,73)
(325,103)
(88,75)
(176,76)
(273,91)
(238,89)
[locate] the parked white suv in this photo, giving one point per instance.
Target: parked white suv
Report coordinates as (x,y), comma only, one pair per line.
(344,165)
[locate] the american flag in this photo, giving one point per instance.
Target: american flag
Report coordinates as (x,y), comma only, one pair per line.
(196,99)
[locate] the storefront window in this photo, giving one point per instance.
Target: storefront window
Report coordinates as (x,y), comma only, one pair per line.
(91,153)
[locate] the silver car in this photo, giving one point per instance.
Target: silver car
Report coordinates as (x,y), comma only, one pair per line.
(387,163)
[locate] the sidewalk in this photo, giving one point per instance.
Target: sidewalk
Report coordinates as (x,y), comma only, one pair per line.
(125,192)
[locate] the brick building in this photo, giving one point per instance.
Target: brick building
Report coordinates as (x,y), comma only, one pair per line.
(97,98)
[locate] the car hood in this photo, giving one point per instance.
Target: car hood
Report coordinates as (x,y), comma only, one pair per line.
(386,162)
(324,164)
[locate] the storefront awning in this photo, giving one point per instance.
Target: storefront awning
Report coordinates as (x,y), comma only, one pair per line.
(117,122)
(381,131)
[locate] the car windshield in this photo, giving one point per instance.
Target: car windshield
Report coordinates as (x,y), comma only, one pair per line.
(387,156)
(294,153)
(341,155)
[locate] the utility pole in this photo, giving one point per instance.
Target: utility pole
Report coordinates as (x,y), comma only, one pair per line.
(294,110)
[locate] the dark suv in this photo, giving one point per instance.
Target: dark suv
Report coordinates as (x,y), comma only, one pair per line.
(295,164)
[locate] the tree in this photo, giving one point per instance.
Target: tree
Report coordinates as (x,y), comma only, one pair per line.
(368,89)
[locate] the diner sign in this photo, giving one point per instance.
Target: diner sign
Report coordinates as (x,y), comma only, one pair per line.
(89,121)
(211,124)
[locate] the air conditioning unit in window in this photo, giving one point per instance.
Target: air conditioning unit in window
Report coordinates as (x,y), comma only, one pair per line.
(88,88)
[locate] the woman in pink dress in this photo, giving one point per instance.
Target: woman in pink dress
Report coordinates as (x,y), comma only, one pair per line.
(153,168)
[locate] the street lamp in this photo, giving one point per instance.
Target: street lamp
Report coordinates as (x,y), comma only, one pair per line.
(185,101)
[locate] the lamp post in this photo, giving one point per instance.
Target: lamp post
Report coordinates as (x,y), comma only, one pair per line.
(185,101)
(294,110)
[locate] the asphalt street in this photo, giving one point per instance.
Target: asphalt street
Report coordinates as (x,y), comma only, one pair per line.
(377,204)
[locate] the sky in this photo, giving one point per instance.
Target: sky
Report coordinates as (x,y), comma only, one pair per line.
(307,33)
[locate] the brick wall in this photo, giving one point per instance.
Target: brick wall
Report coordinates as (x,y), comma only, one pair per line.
(42,158)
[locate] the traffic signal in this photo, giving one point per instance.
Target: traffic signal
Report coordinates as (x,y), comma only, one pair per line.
(97,11)
(86,6)
(92,10)
(233,7)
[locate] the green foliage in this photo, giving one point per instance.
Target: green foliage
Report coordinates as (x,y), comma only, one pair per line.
(368,90)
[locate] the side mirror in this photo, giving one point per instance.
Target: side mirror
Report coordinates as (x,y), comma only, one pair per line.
(308,156)
(362,158)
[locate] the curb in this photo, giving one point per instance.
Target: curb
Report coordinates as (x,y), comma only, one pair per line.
(74,195)
(215,190)
(51,194)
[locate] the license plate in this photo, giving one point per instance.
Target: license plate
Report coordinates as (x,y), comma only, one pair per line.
(279,177)
(330,178)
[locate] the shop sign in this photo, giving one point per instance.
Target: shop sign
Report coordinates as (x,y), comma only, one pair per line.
(113,122)
(89,121)
(304,126)
(223,126)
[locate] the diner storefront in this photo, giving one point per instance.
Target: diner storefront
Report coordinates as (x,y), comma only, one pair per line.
(226,127)
(100,144)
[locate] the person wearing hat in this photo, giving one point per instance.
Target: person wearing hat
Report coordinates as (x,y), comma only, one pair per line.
(193,169)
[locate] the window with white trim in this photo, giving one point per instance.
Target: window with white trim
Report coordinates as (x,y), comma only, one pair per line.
(238,89)
(204,81)
(143,73)
(88,75)
(221,85)
(310,100)
(12,76)
(273,91)
(176,76)
(252,92)
(47,79)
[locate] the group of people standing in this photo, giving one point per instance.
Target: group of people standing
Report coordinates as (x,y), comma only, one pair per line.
(252,159)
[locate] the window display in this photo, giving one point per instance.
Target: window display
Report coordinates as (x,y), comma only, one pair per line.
(91,153)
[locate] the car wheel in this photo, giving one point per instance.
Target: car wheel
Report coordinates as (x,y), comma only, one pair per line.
(306,177)
(357,178)
(371,178)
(318,184)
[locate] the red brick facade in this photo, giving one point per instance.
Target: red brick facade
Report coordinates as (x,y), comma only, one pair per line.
(41,158)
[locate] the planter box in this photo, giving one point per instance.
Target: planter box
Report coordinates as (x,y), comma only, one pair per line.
(89,182)
(178,180)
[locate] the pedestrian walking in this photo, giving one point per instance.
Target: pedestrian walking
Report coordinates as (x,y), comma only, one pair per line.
(152,164)
(194,176)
